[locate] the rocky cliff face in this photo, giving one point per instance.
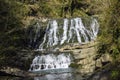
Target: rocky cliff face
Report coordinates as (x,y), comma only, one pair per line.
(85,56)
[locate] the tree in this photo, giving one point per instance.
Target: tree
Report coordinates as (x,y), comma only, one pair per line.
(110,30)
(11,30)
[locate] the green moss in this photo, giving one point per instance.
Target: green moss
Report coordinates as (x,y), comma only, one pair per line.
(79,13)
(115,74)
(74,65)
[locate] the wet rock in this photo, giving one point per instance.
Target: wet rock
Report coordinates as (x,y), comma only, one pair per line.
(85,54)
(98,63)
(106,58)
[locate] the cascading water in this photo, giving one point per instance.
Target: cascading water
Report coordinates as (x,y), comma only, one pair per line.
(34,34)
(56,34)
(71,31)
(50,61)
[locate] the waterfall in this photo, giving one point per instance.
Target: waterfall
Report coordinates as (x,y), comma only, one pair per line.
(50,61)
(72,30)
(65,28)
(34,34)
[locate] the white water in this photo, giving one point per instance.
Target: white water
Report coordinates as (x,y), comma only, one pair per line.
(71,31)
(37,34)
(34,34)
(65,28)
(52,34)
(50,61)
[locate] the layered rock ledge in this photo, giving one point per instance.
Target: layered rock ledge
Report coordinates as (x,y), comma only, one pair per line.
(85,56)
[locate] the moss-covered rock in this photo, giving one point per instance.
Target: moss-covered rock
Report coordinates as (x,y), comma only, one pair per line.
(74,65)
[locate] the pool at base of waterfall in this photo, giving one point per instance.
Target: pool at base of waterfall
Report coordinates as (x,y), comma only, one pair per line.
(60,76)
(56,71)
(55,76)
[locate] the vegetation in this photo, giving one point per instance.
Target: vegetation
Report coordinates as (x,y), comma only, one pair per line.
(11,30)
(73,65)
(57,8)
(109,39)
(115,74)
(110,29)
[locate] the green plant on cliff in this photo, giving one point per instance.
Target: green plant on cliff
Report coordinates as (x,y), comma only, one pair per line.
(74,65)
(110,29)
(115,74)
(109,39)
(58,8)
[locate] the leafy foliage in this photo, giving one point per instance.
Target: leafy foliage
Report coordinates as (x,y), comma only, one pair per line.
(115,74)
(11,29)
(110,29)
